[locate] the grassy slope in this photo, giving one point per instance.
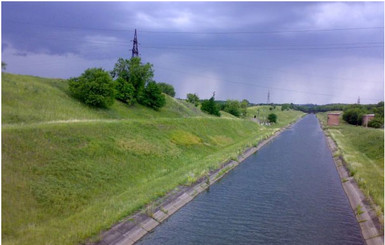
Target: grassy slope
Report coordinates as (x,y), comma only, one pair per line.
(27,99)
(363,150)
(283,117)
(63,182)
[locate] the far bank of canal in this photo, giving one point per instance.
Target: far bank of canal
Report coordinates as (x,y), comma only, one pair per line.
(289,192)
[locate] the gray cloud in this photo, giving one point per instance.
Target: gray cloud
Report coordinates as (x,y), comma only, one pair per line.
(202,46)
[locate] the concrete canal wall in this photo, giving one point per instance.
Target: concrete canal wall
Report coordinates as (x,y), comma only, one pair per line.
(371,228)
(135,227)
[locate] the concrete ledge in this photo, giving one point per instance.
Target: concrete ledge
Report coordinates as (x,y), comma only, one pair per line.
(149,224)
(139,224)
(160,216)
(367,218)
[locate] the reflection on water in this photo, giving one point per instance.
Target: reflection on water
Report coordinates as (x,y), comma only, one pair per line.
(287,193)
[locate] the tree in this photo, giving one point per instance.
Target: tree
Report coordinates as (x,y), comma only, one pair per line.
(233,107)
(210,107)
(376,122)
(285,107)
(244,104)
(94,87)
(193,99)
(152,96)
(3,66)
(132,72)
(272,118)
(167,89)
(353,115)
(125,91)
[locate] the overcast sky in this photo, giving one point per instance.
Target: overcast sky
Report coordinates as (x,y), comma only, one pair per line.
(327,52)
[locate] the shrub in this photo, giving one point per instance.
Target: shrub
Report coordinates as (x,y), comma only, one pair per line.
(152,97)
(94,87)
(233,107)
(353,116)
(376,122)
(125,91)
(244,104)
(210,107)
(132,72)
(167,89)
(272,118)
(193,99)
(285,107)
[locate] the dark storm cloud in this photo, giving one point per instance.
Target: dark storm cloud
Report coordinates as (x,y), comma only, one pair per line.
(240,50)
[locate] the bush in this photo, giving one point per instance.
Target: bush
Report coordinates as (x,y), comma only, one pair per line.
(94,87)
(376,122)
(132,72)
(272,118)
(152,97)
(244,104)
(210,107)
(167,89)
(125,91)
(353,116)
(285,107)
(193,99)
(233,107)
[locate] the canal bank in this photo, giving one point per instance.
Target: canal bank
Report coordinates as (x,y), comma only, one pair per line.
(288,193)
(133,228)
(371,227)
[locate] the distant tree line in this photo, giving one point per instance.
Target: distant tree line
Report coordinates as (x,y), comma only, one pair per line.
(213,107)
(130,82)
(353,114)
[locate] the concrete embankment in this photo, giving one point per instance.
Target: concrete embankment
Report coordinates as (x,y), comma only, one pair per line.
(371,228)
(136,226)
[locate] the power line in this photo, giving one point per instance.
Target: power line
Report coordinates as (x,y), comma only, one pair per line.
(263,49)
(273,68)
(232,47)
(268,32)
(260,86)
(198,32)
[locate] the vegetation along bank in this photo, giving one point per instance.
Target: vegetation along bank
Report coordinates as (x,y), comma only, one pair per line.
(362,149)
(70,170)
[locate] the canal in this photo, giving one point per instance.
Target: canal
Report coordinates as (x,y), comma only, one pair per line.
(289,192)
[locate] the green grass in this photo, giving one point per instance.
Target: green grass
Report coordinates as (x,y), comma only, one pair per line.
(65,181)
(27,99)
(283,117)
(363,150)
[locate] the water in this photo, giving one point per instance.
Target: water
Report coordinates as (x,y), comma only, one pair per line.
(287,193)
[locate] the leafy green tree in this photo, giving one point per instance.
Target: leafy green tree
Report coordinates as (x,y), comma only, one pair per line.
(193,99)
(125,91)
(94,87)
(167,89)
(376,122)
(285,107)
(210,107)
(132,72)
(233,107)
(272,118)
(353,115)
(244,104)
(152,96)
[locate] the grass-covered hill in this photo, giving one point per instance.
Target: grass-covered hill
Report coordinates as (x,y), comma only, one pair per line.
(363,150)
(70,171)
(27,99)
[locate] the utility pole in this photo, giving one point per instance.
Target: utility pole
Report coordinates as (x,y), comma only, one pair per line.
(135,51)
(268,96)
(358,101)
